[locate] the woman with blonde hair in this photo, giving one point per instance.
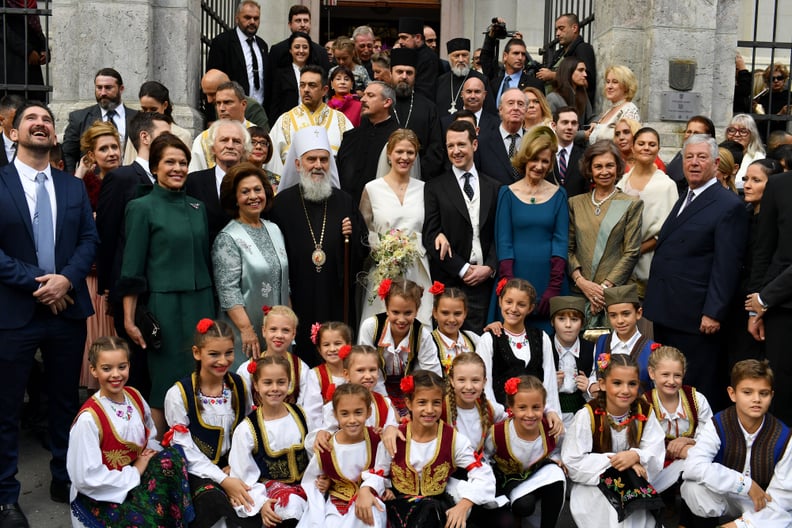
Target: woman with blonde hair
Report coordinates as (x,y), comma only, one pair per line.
(537,110)
(620,89)
(742,129)
(726,169)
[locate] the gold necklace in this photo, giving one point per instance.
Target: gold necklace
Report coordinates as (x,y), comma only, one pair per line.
(318,257)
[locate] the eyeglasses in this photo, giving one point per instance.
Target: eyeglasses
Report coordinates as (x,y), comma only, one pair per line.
(779,78)
(260,143)
(738,131)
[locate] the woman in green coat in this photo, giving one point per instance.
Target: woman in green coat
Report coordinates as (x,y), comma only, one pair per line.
(167,263)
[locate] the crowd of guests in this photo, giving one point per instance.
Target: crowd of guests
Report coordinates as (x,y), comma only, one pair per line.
(382,289)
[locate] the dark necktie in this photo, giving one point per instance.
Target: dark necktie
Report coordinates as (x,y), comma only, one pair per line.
(513,144)
(467,187)
(254,60)
(111,115)
(562,166)
(687,202)
(42,226)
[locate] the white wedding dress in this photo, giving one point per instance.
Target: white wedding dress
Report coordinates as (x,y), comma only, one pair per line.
(388,213)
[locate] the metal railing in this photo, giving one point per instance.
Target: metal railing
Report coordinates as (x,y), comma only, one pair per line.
(584,9)
(25,56)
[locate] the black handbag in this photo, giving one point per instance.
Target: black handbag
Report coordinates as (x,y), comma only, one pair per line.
(148,326)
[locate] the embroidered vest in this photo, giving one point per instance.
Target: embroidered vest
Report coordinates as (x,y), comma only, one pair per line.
(687,397)
(603,346)
(508,468)
(414,340)
(600,425)
(766,451)
(505,365)
(381,406)
(286,465)
(444,355)
(209,438)
(325,382)
(117,453)
(341,486)
(434,475)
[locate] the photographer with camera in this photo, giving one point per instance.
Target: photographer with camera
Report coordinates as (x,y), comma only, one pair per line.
(571,44)
(519,69)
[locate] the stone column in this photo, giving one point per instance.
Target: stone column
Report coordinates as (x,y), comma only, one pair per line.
(142,39)
(646,37)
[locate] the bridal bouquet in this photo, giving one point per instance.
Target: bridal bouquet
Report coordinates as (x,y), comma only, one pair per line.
(393,255)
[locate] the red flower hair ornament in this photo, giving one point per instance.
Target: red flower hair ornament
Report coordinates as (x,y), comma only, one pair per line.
(344,351)
(204,325)
(252,366)
(437,288)
(315,332)
(511,386)
(266,309)
(407,385)
(384,288)
(501,284)
(654,346)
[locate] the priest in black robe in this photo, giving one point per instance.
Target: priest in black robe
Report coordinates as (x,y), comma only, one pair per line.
(414,111)
(316,216)
(449,85)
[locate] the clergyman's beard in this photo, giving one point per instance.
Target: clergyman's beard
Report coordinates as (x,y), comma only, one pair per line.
(313,190)
(403,89)
(109,104)
(460,71)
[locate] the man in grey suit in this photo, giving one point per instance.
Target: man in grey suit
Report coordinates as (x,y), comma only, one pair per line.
(108,87)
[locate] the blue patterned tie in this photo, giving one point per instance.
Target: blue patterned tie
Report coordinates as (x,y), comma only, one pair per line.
(562,166)
(467,187)
(42,226)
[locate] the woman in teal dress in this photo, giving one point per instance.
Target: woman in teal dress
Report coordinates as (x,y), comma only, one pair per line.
(166,265)
(249,257)
(532,225)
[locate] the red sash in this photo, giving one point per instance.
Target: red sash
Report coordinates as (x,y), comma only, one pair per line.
(116,452)
(434,476)
(342,489)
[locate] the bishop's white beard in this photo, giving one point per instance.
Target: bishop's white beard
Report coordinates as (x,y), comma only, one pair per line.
(313,190)
(460,71)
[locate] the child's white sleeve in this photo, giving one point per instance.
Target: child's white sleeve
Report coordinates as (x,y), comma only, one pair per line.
(243,373)
(652,447)
(366,333)
(549,381)
(198,464)
(584,466)
(427,353)
(700,468)
(88,474)
(244,468)
(484,350)
(376,479)
(305,373)
(704,413)
(313,400)
(479,488)
(780,487)
(327,423)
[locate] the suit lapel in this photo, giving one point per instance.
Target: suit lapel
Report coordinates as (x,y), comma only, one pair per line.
(455,195)
(485,199)
(11,178)
(62,199)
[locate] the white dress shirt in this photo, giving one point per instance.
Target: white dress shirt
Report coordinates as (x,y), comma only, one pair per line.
(258,95)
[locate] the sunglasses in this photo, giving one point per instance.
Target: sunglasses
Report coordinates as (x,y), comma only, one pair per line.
(779,78)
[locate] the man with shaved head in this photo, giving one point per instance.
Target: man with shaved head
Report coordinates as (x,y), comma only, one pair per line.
(254,112)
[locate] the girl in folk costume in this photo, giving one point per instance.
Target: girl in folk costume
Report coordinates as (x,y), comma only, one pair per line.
(517,350)
(424,459)
(450,311)
(279,329)
(120,475)
(268,450)
(361,367)
(613,451)
(353,450)
(527,462)
(403,343)
(202,411)
(680,409)
(329,338)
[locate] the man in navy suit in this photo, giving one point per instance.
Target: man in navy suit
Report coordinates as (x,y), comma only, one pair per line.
(565,124)
(459,224)
(695,269)
(241,54)
(515,57)
(47,245)
(108,88)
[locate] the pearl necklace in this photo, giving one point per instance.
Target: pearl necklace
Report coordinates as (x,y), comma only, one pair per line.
(598,205)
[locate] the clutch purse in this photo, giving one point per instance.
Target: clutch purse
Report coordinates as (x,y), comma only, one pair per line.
(149,327)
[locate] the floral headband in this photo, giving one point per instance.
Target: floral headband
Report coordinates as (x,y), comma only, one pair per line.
(344,351)
(501,284)
(315,332)
(252,366)
(204,325)
(384,288)
(511,386)
(437,288)
(266,309)
(654,346)
(407,384)
(603,360)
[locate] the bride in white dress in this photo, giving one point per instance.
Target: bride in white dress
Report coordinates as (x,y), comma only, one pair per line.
(395,200)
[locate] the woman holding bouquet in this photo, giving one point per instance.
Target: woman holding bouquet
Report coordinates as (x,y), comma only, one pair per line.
(393,208)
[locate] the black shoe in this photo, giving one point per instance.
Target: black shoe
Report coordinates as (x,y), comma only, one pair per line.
(59,491)
(11,516)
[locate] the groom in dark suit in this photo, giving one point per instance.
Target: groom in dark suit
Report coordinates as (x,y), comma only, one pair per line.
(459,224)
(47,246)
(108,87)
(695,269)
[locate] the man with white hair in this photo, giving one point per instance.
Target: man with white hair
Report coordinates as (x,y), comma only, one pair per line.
(449,96)
(316,217)
(230,144)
